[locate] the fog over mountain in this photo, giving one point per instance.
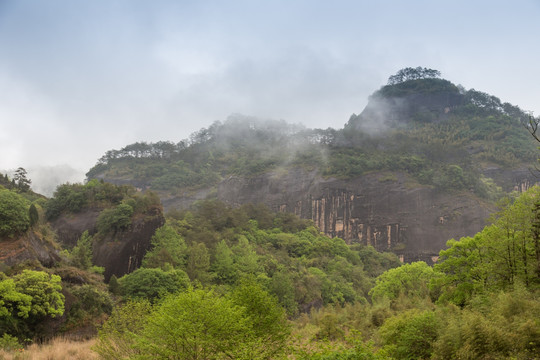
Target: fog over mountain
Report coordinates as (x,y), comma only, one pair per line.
(77,79)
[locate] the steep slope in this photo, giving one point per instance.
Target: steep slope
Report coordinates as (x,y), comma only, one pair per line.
(120,220)
(386,211)
(28,247)
(424,162)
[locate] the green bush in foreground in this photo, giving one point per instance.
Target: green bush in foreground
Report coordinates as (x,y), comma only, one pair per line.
(198,324)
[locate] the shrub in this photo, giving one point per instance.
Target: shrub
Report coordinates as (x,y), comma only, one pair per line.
(14,218)
(115,219)
(152,284)
(410,335)
(9,343)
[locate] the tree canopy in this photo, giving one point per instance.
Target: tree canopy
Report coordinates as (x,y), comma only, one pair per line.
(410,73)
(14,216)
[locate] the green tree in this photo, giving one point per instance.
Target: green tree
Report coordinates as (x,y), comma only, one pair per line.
(198,263)
(269,330)
(44,289)
(282,286)
(33,215)
(152,283)
(223,264)
(21,179)
(117,337)
(81,255)
(115,219)
(409,279)
(114,286)
(14,218)
(462,270)
(409,73)
(245,258)
(410,335)
(195,324)
(12,302)
(502,254)
(90,302)
(168,247)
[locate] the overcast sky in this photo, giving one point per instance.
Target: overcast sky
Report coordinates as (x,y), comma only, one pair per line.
(78,78)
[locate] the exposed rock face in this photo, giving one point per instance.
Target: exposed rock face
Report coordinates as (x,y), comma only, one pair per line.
(519,180)
(70,227)
(119,253)
(27,247)
(387,212)
(122,253)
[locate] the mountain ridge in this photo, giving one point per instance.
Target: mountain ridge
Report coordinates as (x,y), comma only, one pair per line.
(425,134)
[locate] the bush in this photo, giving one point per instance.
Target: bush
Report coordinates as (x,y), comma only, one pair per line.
(116,339)
(151,284)
(200,324)
(81,255)
(14,218)
(115,219)
(9,343)
(410,335)
(92,300)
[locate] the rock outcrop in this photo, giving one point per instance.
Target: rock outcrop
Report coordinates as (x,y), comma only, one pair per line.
(386,210)
(122,252)
(28,247)
(119,252)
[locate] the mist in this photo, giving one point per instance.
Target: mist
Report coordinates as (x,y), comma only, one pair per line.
(45,179)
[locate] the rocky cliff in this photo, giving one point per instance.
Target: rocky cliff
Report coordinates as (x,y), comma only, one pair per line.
(466,147)
(119,252)
(385,210)
(28,247)
(388,210)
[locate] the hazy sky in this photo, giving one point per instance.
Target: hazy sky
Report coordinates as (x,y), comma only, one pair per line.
(78,78)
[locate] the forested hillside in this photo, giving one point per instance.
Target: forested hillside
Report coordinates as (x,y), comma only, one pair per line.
(267,285)
(439,133)
(245,267)
(425,161)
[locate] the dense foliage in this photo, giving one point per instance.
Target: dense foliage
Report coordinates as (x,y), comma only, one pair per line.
(200,324)
(227,279)
(14,214)
(26,299)
(123,199)
(218,245)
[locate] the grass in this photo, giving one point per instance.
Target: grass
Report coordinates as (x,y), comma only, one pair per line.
(57,349)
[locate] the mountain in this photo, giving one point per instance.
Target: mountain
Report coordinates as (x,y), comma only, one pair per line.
(424,162)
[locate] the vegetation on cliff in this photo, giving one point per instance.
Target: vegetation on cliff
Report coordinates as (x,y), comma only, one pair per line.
(439,133)
(247,283)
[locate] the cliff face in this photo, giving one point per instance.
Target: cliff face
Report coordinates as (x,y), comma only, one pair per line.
(387,211)
(28,247)
(70,227)
(119,253)
(446,128)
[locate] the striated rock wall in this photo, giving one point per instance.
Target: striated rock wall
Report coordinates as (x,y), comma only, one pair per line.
(392,215)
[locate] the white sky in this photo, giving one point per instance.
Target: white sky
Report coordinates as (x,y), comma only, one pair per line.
(78,78)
